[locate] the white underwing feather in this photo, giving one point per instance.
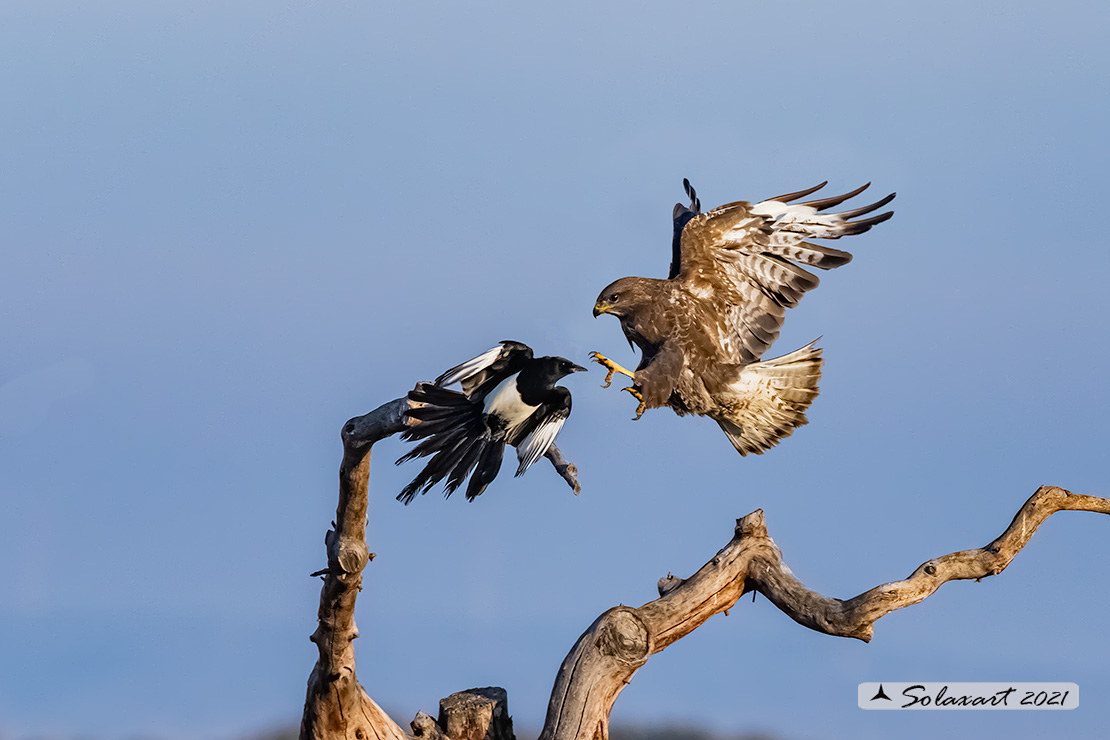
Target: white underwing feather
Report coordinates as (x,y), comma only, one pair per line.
(533,447)
(471,367)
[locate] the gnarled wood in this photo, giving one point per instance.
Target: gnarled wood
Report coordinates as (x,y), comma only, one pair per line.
(476,714)
(856,616)
(567,470)
(424,726)
(622,639)
(335,704)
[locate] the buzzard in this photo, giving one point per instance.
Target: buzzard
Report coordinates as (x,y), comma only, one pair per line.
(702,331)
(507,397)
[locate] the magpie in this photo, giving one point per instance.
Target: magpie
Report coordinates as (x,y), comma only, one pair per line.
(507,397)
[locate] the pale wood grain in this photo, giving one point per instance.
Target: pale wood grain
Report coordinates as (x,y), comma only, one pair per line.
(335,704)
(622,639)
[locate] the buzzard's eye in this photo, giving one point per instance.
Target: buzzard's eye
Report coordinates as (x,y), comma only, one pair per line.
(613,298)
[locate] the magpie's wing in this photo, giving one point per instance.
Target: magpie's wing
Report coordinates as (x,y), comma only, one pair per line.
(496,364)
(682,215)
(744,259)
(543,427)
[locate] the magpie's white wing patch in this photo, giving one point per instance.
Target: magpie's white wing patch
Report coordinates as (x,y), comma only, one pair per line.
(471,367)
(534,446)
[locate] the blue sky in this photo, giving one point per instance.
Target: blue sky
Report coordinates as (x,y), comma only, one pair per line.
(228,227)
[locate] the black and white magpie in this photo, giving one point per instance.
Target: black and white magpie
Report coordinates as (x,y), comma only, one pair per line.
(507,397)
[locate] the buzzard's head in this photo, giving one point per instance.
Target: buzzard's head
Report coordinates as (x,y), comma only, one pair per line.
(623,297)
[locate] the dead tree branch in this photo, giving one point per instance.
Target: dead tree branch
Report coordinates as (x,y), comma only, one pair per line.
(622,639)
(335,705)
(856,617)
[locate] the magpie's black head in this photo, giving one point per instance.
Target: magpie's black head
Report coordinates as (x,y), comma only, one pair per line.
(553,368)
(623,297)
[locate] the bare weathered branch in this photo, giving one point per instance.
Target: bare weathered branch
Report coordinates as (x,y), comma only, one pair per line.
(564,468)
(856,617)
(335,705)
(622,639)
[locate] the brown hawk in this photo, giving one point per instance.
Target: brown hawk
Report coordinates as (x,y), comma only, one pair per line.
(701,332)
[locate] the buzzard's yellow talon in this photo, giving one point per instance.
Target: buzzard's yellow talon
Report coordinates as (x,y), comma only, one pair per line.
(609,365)
(639,397)
(613,369)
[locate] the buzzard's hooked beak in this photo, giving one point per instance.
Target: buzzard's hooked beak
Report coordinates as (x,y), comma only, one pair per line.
(598,310)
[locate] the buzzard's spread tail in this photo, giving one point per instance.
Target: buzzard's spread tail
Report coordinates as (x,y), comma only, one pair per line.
(453,431)
(768,400)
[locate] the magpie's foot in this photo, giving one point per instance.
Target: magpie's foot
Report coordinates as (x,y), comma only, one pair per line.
(639,397)
(609,365)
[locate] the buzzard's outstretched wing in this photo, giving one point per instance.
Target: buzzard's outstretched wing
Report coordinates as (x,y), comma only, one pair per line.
(745,258)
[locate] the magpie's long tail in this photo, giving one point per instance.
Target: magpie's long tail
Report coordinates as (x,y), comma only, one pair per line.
(454,432)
